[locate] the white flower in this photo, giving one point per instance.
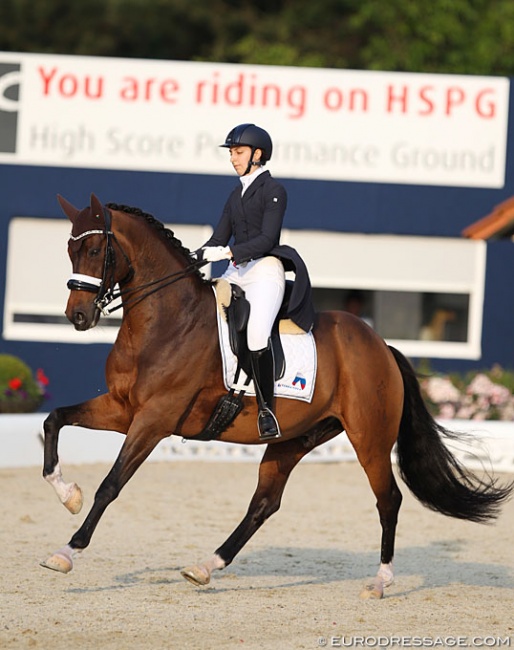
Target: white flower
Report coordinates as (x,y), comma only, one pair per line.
(500,395)
(482,399)
(481,385)
(447,411)
(441,389)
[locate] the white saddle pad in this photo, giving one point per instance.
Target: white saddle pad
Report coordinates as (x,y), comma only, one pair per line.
(300,357)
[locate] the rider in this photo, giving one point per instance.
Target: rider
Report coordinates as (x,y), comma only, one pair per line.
(252,219)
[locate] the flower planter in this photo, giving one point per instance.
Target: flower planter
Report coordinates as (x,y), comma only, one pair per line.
(20,391)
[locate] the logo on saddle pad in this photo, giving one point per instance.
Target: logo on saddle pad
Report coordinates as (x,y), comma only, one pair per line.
(299,383)
(300,380)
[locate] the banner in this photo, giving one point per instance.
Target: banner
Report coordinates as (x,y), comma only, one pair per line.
(171,116)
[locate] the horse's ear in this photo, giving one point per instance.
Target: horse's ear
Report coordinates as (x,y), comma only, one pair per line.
(97,209)
(69,210)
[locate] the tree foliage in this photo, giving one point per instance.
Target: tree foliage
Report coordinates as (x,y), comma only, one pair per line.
(452,36)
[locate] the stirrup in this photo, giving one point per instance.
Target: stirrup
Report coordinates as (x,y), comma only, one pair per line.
(268,425)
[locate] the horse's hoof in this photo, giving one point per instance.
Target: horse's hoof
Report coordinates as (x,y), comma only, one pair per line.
(196,575)
(372,592)
(74,502)
(58,562)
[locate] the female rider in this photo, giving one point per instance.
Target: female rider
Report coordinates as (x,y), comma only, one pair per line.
(252,221)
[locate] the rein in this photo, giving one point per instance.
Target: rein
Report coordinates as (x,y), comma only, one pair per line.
(134,300)
(104,287)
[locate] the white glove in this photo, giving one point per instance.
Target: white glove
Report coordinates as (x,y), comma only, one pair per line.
(216,253)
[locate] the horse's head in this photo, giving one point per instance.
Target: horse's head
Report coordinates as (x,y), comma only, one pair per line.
(95,269)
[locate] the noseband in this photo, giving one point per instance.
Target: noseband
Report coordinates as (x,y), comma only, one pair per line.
(104,287)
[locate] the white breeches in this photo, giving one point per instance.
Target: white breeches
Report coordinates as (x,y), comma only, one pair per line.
(263,282)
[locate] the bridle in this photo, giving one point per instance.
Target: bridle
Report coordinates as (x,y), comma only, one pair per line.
(104,286)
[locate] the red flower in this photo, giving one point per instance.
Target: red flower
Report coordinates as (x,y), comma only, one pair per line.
(41,377)
(15,383)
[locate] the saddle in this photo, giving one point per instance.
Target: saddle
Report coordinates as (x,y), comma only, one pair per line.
(237,314)
(236,310)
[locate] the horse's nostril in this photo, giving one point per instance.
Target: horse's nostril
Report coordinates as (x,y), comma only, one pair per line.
(79,320)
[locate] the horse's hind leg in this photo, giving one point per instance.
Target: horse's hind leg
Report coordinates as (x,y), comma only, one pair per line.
(389,498)
(276,465)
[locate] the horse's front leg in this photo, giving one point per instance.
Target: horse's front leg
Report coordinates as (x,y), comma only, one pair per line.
(101,413)
(276,465)
(139,443)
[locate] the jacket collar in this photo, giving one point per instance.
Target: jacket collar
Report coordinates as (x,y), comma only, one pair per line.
(255,184)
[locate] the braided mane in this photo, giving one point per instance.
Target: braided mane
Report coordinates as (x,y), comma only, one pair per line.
(164,232)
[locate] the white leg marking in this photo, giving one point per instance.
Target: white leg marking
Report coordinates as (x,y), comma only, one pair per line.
(214,563)
(69,493)
(383,579)
(385,573)
(61,560)
(200,574)
(56,481)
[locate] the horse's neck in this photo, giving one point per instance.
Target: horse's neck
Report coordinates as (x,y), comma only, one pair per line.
(162,298)
(183,305)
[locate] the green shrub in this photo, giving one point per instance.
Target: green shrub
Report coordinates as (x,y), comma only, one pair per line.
(20,391)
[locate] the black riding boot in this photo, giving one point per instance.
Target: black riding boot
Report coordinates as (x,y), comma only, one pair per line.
(263,369)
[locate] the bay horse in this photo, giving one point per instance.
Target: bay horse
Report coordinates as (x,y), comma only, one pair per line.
(164,377)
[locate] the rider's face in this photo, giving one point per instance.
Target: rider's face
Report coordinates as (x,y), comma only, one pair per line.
(240,157)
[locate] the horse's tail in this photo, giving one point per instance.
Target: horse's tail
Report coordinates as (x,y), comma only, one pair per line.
(430,470)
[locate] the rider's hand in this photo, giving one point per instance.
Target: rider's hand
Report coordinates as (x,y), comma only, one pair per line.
(216,253)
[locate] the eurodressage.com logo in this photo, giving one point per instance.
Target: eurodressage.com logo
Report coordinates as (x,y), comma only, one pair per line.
(10,78)
(440,642)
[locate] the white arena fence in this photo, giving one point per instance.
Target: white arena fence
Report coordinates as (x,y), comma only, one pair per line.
(488,445)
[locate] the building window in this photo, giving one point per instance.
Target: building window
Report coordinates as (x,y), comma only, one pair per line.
(424,295)
(403,315)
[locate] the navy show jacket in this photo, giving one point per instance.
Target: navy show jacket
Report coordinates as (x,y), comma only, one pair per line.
(254,222)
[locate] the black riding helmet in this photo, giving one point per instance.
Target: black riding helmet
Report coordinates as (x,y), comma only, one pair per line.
(250,135)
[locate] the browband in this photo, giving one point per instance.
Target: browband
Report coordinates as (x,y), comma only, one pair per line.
(91,232)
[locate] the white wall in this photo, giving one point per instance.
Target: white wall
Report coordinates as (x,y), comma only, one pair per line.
(21,445)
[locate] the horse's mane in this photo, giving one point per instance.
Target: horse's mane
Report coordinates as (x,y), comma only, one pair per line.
(164,232)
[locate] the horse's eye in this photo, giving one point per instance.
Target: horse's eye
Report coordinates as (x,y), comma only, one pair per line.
(94,252)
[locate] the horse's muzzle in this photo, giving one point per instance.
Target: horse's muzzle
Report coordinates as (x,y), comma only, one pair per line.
(82,319)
